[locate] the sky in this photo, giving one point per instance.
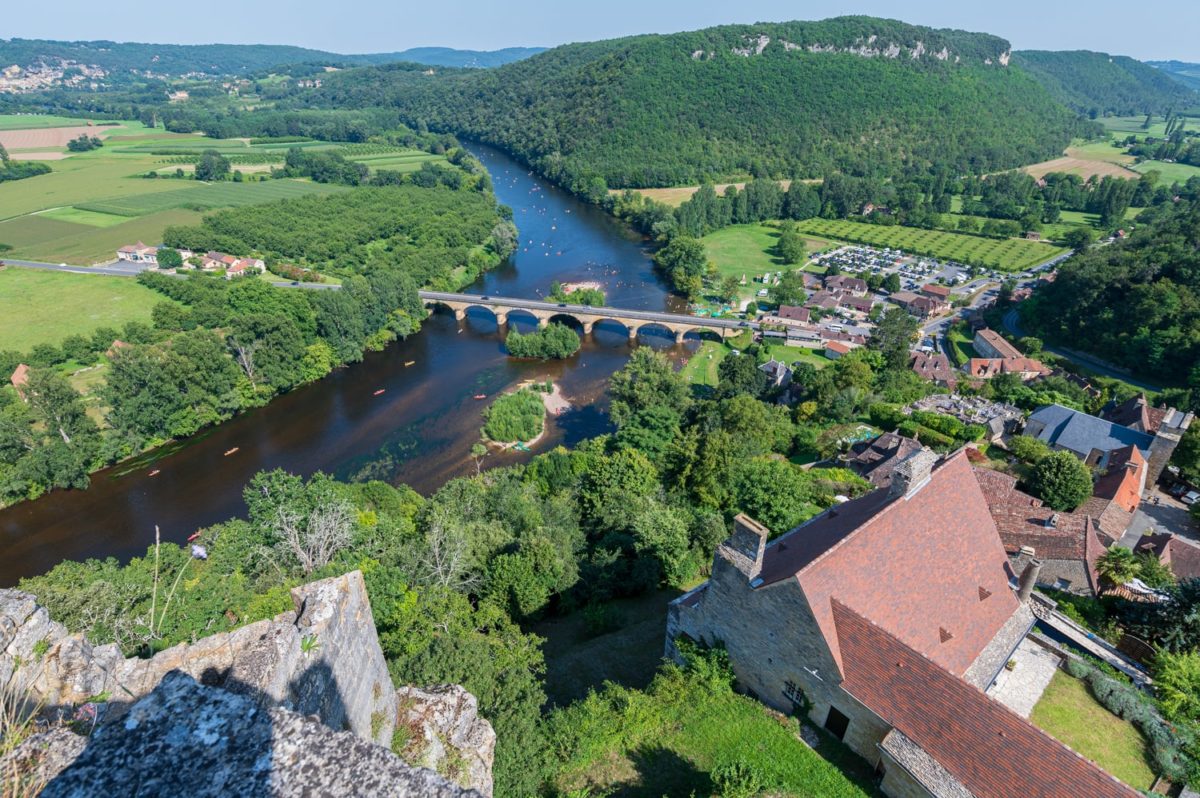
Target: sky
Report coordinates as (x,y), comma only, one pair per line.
(1150,30)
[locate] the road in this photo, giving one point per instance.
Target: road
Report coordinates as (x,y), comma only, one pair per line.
(119,268)
(588,310)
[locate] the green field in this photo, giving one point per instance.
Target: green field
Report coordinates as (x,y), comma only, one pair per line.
(1133,124)
(701,368)
(1069,712)
(78,216)
(748,250)
(42,238)
(206,196)
(44,307)
(1169,172)
(1010,254)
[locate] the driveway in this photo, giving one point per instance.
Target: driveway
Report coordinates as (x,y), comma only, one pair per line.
(1169,515)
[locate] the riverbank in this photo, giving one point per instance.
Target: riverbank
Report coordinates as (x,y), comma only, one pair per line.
(554,403)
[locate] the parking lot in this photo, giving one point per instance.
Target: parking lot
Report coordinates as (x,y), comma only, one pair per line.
(913,271)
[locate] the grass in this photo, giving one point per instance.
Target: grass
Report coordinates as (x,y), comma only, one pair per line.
(30,121)
(701,368)
(1069,712)
(44,307)
(1010,254)
(961,347)
(791,354)
(749,250)
(1169,172)
(670,739)
(40,238)
(206,196)
(78,216)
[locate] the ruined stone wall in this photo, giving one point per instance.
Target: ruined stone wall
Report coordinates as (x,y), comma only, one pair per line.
(321,659)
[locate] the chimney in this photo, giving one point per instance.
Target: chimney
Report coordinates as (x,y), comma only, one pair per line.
(748,542)
(912,473)
(1028,579)
(1052,521)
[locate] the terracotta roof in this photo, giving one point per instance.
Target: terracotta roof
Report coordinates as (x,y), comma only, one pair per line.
(20,375)
(991,366)
(1182,557)
(792,312)
(838,346)
(1122,483)
(845,283)
(992,751)
(877,459)
(937,291)
(1022,520)
(998,342)
(915,563)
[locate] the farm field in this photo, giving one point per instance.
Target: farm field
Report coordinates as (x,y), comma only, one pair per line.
(1088,159)
(1169,172)
(1133,124)
(676,196)
(1011,254)
(29,121)
(81,303)
(206,196)
(42,237)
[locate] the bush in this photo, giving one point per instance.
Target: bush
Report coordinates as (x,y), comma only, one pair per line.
(1061,481)
(1027,449)
(514,417)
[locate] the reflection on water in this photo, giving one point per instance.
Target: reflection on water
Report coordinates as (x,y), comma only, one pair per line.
(418,431)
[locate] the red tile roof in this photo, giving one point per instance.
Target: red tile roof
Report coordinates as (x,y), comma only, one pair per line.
(915,564)
(998,342)
(838,346)
(936,291)
(992,751)
(1182,557)
(792,312)
(934,366)
(987,367)
(1122,483)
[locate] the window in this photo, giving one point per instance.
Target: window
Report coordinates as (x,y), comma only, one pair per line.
(837,723)
(1062,584)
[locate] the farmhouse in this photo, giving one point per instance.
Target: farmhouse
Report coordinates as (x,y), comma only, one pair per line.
(884,619)
(232,266)
(990,344)
(243,266)
(138,253)
(1026,368)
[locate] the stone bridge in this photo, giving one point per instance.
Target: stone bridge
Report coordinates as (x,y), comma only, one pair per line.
(586,315)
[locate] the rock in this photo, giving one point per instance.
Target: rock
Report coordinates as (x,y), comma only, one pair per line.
(446,734)
(189,741)
(40,758)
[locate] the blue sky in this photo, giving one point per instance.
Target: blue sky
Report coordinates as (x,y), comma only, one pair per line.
(1148,30)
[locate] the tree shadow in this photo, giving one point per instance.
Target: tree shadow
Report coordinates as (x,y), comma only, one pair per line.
(662,773)
(209,736)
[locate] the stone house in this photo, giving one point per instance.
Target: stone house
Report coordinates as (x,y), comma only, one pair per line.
(991,344)
(1027,368)
(138,253)
(935,291)
(934,367)
(876,459)
(842,283)
(883,620)
(1181,556)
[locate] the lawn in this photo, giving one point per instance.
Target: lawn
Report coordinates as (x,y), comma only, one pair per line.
(44,307)
(670,739)
(42,238)
(748,250)
(1169,172)
(961,347)
(791,354)
(1069,712)
(1010,254)
(701,368)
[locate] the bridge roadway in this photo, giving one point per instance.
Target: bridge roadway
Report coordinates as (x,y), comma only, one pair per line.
(587,315)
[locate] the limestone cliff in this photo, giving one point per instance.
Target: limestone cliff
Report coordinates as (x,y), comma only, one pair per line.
(319,664)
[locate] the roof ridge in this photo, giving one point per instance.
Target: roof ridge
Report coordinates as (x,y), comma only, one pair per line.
(893,501)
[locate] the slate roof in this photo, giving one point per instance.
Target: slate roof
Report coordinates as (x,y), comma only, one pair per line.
(1081,433)
(916,564)
(982,744)
(933,366)
(875,460)
(1138,413)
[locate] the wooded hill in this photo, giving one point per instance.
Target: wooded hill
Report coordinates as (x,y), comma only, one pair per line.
(1098,83)
(792,99)
(230,59)
(1182,71)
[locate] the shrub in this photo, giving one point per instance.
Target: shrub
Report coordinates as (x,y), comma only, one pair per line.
(515,417)
(1061,480)
(1027,449)
(556,341)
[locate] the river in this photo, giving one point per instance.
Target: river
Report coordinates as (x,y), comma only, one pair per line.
(419,431)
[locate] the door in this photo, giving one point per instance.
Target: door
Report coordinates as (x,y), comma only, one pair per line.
(837,723)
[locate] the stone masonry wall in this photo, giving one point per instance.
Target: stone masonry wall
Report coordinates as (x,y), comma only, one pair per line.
(772,639)
(322,659)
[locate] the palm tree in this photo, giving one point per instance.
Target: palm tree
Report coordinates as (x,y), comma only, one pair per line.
(1117,566)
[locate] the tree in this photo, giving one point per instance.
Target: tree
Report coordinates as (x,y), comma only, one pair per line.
(891,283)
(212,166)
(1117,566)
(730,289)
(791,245)
(892,337)
(1177,685)
(647,380)
(1061,481)
(57,405)
(684,262)
(1079,238)
(169,258)
(740,374)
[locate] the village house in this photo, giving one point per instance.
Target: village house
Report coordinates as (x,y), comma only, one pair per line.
(232,266)
(1181,556)
(836,349)
(243,266)
(787,315)
(876,459)
(884,619)
(990,344)
(934,291)
(920,306)
(138,253)
(1026,368)
(778,373)
(1068,545)
(822,300)
(856,306)
(841,283)
(1092,439)
(934,367)
(19,379)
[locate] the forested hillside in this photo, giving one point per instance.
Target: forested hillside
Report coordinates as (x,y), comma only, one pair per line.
(1137,302)
(450,57)
(1182,71)
(783,100)
(1098,83)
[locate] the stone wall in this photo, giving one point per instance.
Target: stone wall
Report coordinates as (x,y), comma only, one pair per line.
(322,659)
